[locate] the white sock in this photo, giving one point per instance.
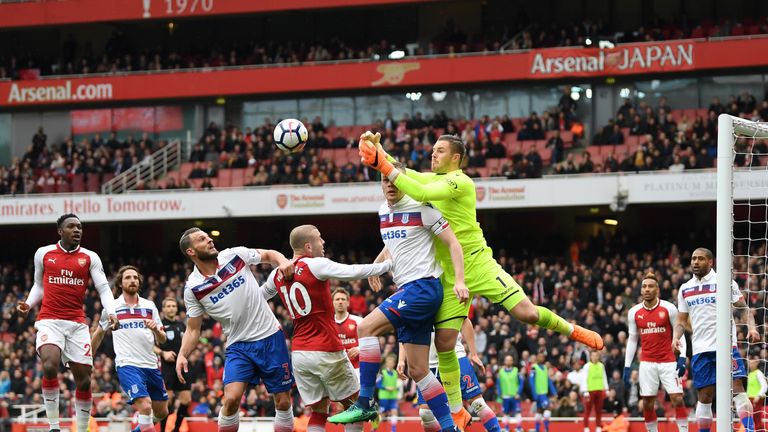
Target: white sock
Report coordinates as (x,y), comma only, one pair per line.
(353,427)
(228,423)
(652,426)
(284,420)
(145,423)
(83,413)
(51,403)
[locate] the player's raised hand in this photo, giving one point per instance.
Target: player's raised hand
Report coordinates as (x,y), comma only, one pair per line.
(181,366)
(374,157)
(113,322)
(375,283)
(150,324)
(374,138)
(286,268)
(22,308)
(473,358)
(461,291)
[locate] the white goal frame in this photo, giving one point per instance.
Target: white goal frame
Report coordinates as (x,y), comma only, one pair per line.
(727,126)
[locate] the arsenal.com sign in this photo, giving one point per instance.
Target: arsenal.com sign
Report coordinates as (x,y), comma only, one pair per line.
(644,58)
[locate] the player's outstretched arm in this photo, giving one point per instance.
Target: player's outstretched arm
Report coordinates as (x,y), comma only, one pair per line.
(97,336)
(36,293)
(457,259)
(188,342)
(629,355)
(277,259)
(325,269)
(105,293)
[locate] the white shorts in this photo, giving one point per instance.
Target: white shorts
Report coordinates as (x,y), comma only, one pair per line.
(72,338)
(652,374)
(324,374)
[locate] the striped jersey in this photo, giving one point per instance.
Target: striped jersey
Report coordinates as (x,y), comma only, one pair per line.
(697,298)
(407,229)
(232,297)
(133,341)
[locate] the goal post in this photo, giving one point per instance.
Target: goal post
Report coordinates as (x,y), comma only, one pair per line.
(730,131)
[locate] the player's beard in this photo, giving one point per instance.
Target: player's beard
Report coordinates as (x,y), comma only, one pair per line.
(207,256)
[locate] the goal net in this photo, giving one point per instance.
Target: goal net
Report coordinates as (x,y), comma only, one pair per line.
(742,237)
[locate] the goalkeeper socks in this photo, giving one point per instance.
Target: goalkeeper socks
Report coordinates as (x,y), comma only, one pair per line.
(552,321)
(370,360)
(51,401)
(744,410)
(704,416)
(486,414)
(450,375)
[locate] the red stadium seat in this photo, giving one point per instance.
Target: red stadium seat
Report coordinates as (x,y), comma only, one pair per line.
(78,183)
(225,177)
(92,184)
(239,177)
(185,169)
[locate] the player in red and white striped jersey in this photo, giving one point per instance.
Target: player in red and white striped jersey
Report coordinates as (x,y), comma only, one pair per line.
(63,271)
(652,321)
(320,361)
(346,323)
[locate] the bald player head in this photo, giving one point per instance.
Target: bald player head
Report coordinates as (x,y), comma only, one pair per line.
(306,241)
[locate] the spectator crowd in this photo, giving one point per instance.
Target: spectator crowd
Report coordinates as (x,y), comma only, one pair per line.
(641,138)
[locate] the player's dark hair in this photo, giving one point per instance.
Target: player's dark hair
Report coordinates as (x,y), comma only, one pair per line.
(185,241)
(340,290)
(121,272)
(651,275)
(707,252)
(64,217)
(456,144)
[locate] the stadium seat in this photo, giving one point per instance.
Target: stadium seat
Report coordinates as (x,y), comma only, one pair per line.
(93,184)
(225,177)
(78,183)
(185,169)
(239,177)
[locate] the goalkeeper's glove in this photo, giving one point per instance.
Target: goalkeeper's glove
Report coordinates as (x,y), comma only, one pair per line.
(376,158)
(627,372)
(680,366)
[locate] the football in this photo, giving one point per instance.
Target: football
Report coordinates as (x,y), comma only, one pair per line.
(290,135)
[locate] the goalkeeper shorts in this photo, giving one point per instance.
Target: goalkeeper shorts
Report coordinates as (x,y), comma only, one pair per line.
(484,277)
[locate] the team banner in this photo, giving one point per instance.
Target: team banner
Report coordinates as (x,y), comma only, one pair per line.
(629,59)
(37,13)
(366,198)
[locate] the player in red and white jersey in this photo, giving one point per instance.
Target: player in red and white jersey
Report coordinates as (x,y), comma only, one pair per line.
(652,320)
(346,324)
(320,363)
(63,271)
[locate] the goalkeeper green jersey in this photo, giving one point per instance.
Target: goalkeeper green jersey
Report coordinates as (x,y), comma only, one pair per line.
(453,194)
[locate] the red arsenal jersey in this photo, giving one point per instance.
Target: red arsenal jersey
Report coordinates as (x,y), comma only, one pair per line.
(308,300)
(654,327)
(347,329)
(64,277)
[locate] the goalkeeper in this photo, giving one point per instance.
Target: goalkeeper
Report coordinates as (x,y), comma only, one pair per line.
(452,192)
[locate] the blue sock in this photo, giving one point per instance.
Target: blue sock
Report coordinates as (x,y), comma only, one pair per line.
(749,424)
(437,400)
(394,425)
(370,360)
(546,424)
(538,426)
